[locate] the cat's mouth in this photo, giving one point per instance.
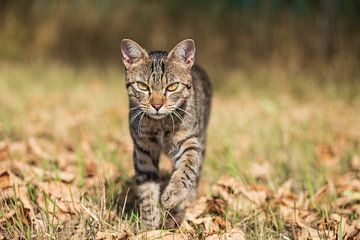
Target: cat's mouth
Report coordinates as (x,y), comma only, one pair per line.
(158,115)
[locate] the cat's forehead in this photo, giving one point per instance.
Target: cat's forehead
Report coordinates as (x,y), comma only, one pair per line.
(158,55)
(157,61)
(157,68)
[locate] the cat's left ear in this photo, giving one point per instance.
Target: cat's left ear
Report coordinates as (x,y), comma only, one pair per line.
(184,53)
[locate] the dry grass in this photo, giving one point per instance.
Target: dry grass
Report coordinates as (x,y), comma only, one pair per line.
(66,155)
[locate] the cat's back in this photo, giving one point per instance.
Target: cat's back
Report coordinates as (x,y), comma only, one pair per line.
(203,92)
(201,83)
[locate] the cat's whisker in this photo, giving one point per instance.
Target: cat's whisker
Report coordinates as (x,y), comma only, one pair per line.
(139,125)
(134,108)
(183,110)
(173,124)
(186,112)
(135,116)
(177,115)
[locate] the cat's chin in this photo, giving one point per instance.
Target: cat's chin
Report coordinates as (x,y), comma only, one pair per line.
(157,116)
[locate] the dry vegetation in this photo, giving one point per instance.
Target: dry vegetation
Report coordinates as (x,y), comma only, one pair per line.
(283,157)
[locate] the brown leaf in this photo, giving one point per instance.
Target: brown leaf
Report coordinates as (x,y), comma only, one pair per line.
(63,197)
(261,170)
(65,177)
(285,189)
(326,155)
(195,209)
(159,234)
(33,173)
(35,148)
(14,188)
(222,223)
(234,234)
(111,236)
(348,183)
(346,200)
(238,196)
(17,150)
(5,180)
(206,222)
(4,150)
(216,206)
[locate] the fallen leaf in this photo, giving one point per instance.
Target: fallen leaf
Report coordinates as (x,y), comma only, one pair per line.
(5,180)
(159,234)
(65,177)
(4,150)
(233,234)
(349,199)
(216,206)
(222,223)
(111,236)
(14,188)
(238,196)
(195,209)
(326,155)
(63,198)
(261,170)
(34,173)
(35,148)
(17,150)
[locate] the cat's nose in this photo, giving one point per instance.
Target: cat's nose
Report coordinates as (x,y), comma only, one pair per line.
(156,106)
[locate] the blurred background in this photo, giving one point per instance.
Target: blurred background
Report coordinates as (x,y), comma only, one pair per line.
(230,34)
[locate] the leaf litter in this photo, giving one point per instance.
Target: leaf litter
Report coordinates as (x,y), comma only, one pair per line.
(52,195)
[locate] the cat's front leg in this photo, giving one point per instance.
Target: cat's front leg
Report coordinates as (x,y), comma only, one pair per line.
(148,196)
(147,178)
(187,159)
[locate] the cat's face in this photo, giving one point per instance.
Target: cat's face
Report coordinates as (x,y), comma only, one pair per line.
(158,83)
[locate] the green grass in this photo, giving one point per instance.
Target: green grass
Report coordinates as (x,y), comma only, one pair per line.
(278,117)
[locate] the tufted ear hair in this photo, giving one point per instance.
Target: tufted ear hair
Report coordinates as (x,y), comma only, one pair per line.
(184,53)
(131,52)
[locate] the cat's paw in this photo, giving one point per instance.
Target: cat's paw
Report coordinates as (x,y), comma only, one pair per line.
(150,216)
(151,223)
(148,200)
(175,193)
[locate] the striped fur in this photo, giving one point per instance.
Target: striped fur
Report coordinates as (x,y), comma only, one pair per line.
(177,129)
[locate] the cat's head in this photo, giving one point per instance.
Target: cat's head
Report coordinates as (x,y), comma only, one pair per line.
(158,82)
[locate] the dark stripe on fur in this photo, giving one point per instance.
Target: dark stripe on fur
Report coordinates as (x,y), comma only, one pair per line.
(186,150)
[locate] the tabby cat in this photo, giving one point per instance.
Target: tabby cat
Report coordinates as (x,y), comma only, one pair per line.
(169,101)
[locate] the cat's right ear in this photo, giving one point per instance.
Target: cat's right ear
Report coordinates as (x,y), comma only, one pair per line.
(131,52)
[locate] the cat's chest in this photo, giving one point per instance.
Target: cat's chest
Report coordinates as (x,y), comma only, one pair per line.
(162,130)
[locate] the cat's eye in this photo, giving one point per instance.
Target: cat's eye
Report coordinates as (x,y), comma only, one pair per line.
(172,87)
(142,86)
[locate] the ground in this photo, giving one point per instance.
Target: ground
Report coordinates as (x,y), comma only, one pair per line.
(282,161)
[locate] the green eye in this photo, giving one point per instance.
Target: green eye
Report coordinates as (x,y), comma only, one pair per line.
(172,87)
(142,86)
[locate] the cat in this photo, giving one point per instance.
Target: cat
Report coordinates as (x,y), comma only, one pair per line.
(169,107)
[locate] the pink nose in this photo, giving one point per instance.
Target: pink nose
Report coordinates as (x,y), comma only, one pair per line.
(156,106)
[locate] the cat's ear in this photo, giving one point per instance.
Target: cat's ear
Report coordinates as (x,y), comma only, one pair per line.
(131,52)
(184,53)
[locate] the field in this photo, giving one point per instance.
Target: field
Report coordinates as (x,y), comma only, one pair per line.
(283,156)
